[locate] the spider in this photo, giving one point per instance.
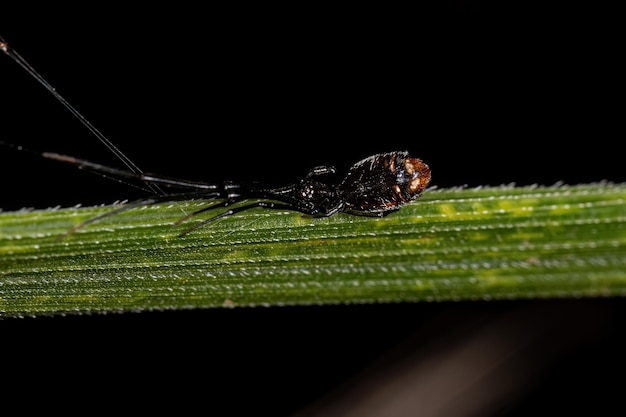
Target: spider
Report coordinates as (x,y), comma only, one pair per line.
(374,186)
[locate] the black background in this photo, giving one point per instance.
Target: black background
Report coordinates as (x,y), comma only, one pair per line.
(485,93)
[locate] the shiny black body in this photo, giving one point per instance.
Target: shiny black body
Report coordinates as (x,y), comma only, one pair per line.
(374,186)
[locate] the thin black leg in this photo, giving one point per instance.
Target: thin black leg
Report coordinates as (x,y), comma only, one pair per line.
(235,210)
(210,207)
(138,203)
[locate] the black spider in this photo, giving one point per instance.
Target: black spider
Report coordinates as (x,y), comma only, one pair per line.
(374,186)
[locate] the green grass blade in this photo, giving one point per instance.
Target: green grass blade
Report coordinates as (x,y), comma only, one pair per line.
(452,244)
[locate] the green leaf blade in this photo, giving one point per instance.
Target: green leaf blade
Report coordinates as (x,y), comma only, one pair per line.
(452,244)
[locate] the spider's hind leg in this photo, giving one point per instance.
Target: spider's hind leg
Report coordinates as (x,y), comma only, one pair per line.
(125,207)
(226,203)
(134,204)
(234,210)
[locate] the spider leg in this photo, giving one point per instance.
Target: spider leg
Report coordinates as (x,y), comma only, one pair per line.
(125,175)
(125,207)
(230,212)
(138,203)
(226,203)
